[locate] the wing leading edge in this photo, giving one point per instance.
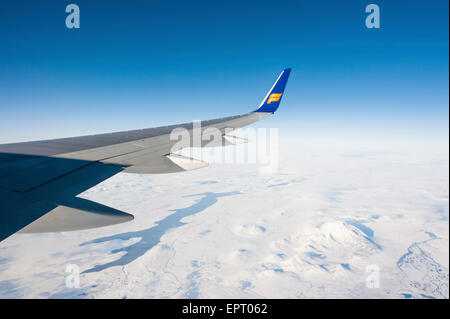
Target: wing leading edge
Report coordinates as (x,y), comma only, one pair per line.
(39,180)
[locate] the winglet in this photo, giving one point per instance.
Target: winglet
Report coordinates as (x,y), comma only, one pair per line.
(273,98)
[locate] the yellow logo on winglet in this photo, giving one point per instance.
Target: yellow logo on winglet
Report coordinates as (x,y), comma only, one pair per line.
(274,97)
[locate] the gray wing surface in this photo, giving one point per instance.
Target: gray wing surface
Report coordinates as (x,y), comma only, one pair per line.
(40,181)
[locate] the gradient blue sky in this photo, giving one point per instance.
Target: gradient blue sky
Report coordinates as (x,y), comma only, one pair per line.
(136,64)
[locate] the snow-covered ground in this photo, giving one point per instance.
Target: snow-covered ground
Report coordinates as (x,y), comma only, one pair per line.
(327,224)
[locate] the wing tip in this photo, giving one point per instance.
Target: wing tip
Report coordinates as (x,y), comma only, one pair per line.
(273,99)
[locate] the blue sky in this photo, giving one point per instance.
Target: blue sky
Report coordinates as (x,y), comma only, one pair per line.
(136,64)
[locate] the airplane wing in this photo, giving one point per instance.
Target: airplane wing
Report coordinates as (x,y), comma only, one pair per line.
(39,181)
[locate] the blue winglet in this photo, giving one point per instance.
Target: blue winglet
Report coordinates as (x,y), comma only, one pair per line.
(273,98)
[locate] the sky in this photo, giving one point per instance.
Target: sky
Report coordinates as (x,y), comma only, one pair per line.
(138,64)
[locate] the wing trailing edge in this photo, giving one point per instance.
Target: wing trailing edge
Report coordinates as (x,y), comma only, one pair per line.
(81,214)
